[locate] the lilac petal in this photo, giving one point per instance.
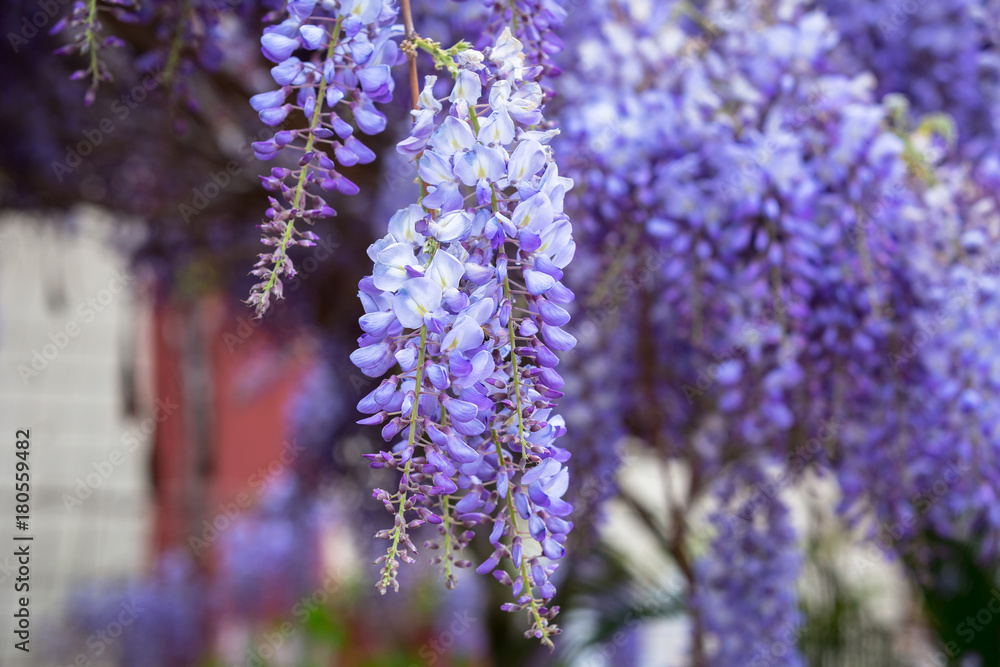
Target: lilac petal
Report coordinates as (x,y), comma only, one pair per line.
(375,80)
(529,240)
(377,324)
(558,339)
(390,266)
(268,100)
(438,376)
(547,468)
(371,360)
(545,357)
(301,9)
(277,47)
(490,564)
(369,119)
(559,507)
(535,213)
(552,549)
(558,526)
(465,335)
(560,294)
(469,503)
(481,163)
(453,136)
(365,154)
(536,527)
(551,313)
(453,226)
(312,35)
(440,461)
(468,87)
(361,51)
(521,504)
(390,430)
(272,117)
(406,358)
(550,378)
(461,411)
(503,483)
(526,160)
(470,428)
(497,532)
(416,298)
(443,485)
(538,282)
(265,150)
(460,451)
(459,366)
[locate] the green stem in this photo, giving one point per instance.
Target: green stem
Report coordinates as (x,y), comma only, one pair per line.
(443,58)
(475,120)
(175,47)
(92,40)
(447,543)
(513,356)
(398,524)
(541,623)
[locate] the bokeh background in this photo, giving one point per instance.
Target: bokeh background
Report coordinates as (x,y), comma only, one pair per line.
(199,492)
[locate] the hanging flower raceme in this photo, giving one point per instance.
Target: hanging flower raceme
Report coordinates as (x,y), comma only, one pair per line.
(352,52)
(85,20)
(465,304)
(535,23)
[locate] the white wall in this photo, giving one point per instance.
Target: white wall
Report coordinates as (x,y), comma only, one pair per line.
(70,290)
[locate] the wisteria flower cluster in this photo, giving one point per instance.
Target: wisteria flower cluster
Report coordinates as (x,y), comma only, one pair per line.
(764,194)
(467,305)
(353,50)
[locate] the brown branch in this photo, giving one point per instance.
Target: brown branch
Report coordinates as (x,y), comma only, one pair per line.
(411,52)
